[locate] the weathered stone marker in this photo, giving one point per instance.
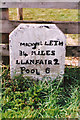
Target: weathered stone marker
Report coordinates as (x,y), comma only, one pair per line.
(37,50)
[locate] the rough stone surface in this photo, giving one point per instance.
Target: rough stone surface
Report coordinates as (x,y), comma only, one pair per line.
(37,50)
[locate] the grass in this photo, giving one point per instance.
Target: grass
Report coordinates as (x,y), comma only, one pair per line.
(25,98)
(51,14)
(46,14)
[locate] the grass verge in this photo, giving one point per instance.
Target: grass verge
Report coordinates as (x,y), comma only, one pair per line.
(25,98)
